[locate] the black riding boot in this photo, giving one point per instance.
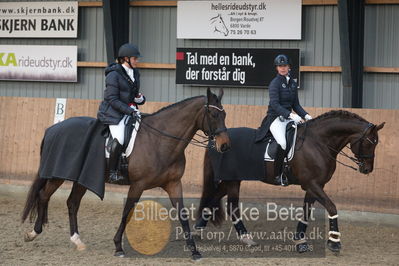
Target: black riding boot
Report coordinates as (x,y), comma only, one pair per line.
(115,154)
(278,167)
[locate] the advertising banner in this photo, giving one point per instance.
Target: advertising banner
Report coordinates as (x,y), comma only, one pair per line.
(38,63)
(251,19)
(231,67)
(38,19)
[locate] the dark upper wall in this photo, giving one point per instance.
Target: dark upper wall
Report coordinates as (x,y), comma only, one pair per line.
(154,30)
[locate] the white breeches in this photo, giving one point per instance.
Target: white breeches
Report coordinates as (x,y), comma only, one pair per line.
(118,131)
(278,129)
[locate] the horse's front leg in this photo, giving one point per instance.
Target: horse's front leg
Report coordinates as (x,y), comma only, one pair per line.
(133,197)
(233,196)
(300,235)
(206,213)
(175,192)
(334,241)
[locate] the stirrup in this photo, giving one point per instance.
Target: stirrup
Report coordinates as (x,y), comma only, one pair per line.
(114,177)
(281,180)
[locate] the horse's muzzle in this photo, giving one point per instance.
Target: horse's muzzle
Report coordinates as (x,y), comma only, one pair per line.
(222,142)
(365,169)
(225,147)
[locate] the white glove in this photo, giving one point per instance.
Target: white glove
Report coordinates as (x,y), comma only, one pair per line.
(139,98)
(308,117)
(134,108)
(295,117)
(136,111)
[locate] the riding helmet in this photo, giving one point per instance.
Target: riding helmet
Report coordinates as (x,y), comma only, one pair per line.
(282,59)
(129,50)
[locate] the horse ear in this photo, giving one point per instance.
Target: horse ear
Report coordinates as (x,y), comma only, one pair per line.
(220,96)
(380,126)
(208,93)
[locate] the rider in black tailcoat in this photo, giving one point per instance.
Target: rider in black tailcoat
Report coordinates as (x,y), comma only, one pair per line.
(283,94)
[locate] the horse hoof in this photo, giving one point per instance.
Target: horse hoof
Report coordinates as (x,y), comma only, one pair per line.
(120,254)
(28,237)
(303,247)
(196,256)
(81,247)
(334,246)
(248,241)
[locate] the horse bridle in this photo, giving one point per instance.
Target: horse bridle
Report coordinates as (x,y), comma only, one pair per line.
(360,155)
(211,134)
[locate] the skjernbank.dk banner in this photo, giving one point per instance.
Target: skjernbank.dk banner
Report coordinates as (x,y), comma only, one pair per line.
(39,19)
(38,63)
(251,19)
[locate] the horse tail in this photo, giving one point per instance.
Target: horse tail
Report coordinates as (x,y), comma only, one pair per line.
(32,200)
(209,189)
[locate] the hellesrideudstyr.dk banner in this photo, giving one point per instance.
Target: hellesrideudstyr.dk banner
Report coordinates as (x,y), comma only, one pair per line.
(252,19)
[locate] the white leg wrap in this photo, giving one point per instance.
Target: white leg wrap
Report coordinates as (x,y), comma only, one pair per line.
(236,221)
(333,217)
(334,233)
(304,222)
(207,211)
(334,239)
(76,240)
(300,241)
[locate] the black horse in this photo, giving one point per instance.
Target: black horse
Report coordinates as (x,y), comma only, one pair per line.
(157,160)
(319,142)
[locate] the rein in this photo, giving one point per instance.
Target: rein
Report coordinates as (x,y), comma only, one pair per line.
(193,141)
(353,159)
(302,137)
(359,156)
(200,143)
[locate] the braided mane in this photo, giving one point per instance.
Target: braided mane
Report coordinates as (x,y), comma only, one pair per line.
(338,113)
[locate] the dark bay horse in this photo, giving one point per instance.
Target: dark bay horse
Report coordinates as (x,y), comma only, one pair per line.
(159,161)
(318,142)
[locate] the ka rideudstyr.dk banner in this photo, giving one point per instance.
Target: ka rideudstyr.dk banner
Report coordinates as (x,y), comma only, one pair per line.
(38,63)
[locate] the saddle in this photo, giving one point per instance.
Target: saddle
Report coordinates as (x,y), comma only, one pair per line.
(271,147)
(131,128)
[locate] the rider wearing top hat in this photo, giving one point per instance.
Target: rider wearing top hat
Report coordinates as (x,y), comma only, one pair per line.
(283,94)
(121,97)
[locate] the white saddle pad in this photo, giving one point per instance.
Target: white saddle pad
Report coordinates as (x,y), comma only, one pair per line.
(290,153)
(130,147)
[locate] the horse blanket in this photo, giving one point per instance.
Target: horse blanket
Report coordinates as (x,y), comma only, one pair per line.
(244,160)
(74,150)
